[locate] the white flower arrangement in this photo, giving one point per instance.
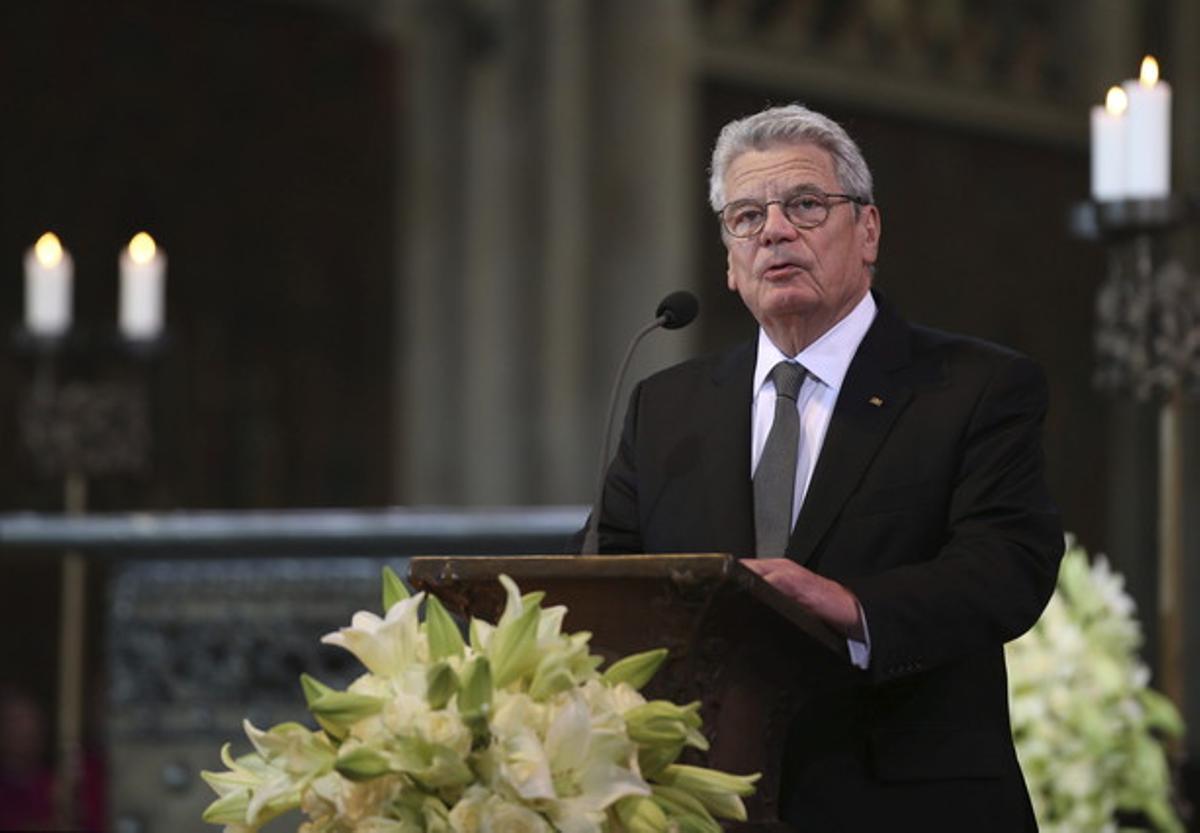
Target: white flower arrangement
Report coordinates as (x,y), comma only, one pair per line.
(513,731)
(1089,731)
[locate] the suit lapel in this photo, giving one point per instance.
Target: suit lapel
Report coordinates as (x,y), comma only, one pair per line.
(871,398)
(727,453)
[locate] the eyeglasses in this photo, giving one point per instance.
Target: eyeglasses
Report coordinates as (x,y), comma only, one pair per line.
(808,209)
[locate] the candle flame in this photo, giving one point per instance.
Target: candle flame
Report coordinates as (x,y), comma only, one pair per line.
(142,248)
(48,250)
(1116,101)
(1149,74)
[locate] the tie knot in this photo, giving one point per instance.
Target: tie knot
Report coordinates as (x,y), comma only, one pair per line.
(788,377)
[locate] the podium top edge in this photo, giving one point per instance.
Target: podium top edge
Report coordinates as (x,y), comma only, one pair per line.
(439,569)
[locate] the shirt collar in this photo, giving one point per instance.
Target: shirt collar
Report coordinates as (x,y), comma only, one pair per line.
(828,358)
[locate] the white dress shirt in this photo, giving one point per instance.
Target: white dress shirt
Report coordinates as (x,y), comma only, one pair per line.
(827,359)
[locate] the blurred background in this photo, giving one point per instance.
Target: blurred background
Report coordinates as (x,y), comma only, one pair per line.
(408,241)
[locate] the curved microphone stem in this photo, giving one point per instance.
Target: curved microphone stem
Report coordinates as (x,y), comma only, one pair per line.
(591,541)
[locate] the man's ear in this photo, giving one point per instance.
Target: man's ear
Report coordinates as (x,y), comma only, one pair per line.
(730,281)
(871,227)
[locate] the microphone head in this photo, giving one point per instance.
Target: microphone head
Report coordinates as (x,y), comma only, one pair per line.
(678,310)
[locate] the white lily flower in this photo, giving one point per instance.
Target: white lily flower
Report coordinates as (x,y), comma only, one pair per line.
(500,816)
(592,769)
(514,733)
(385,646)
(1077,690)
(466,815)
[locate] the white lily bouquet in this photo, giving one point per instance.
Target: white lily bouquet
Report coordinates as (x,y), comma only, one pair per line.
(512,731)
(1088,729)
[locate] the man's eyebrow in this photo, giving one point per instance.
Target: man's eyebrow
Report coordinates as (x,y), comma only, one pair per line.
(794,191)
(804,188)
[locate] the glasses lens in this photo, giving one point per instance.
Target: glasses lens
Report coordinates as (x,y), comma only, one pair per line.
(807,210)
(743,219)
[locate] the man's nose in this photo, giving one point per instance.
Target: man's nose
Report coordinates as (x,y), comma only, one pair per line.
(777,227)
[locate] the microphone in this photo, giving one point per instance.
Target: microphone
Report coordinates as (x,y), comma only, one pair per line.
(678,310)
(674,311)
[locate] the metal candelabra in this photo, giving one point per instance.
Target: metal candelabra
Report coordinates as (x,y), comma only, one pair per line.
(1147,344)
(84,415)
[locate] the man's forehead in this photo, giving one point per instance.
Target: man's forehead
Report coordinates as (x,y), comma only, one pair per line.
(781,167)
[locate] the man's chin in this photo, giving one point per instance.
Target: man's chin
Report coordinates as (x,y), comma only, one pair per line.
(789,302)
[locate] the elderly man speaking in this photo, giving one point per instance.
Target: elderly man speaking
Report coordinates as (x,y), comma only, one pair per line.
(886,476)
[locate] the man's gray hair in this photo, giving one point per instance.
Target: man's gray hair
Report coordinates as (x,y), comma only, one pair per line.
(793,124)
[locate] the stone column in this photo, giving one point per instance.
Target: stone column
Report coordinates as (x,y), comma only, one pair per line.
(567,454)
(500,226)
(546,200)
(647,175)
(432,62)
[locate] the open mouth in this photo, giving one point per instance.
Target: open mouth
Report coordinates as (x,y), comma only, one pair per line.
(780,271)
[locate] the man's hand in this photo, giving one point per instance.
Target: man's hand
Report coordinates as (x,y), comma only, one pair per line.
(826,599)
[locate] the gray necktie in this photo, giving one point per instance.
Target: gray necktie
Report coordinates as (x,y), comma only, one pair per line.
(775,477)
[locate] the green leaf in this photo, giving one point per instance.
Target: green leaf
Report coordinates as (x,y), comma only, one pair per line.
(635,670)
(444,637)
(393,589)
(313,688)
(475,695)
(480,633)
(533,599)
(441,683)
(513,649)
(1161,713)
(553,674)
(475,698)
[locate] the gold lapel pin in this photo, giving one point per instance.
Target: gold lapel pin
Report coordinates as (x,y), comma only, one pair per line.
(876,401)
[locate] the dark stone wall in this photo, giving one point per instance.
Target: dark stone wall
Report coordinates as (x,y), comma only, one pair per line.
(256,142)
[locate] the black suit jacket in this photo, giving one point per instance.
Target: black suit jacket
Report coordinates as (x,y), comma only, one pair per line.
(928,501)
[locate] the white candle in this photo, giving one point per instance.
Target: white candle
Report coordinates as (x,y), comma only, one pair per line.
(48,274)
(143,270)
(1108,147)
(1148,135)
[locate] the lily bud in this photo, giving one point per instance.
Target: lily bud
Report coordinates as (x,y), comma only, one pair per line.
(717,791)
(229,808)
(654,759)
(663,723)
(640,814)
(680,805)
(361,763)
(342,709)
(635,670)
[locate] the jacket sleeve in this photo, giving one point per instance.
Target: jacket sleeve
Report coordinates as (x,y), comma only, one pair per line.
(996,568)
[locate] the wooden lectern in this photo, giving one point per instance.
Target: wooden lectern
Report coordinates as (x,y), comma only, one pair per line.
(736,644)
